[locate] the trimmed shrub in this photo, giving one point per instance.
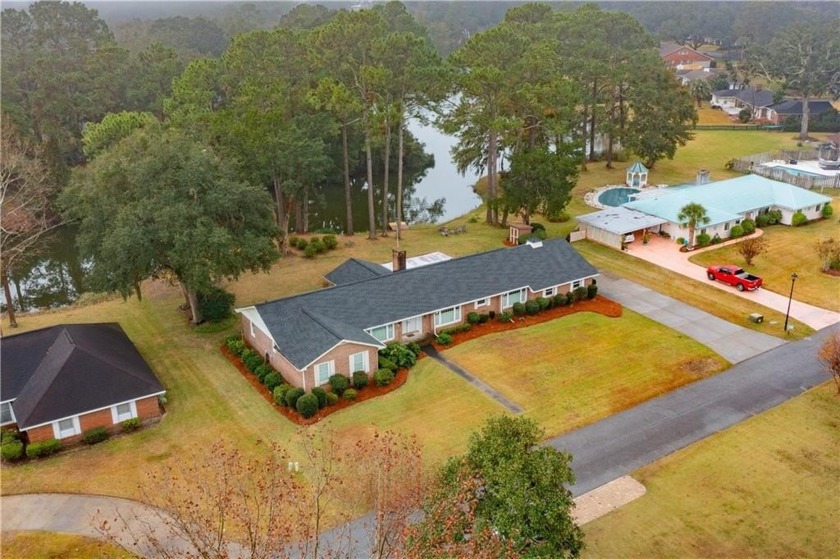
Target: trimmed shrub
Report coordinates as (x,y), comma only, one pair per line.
(560,300)
(315,240)
(385,363)
(716,240)
(483,317)
(350,394)
(400,354)
(320,395)
(458,329)
(302,244)
(492,315)
(591,291)
(537,227)
(235,345)
(263,371)
(749,226)
(827,211)
(339,383)
(775,216)
(11,451)
(580,293)
(736,232)
(95,435)
(473,318)
(532,307)
(307,405)
(130,425)
(704,239)
(360,379)
(272,380)
(251,360)
(310,251)
(215,304)
(443,339)
(798,219)
(8,435)
(330,242)
(506,316)
(570,297)
(280,392)
(415,348)
(762,220)
(292,396)
(518,309)
(332,399)
(318,245)
(383,377)
(543,303)
(294,240)
(43,448)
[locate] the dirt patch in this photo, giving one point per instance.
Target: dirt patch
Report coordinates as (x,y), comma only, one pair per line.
(700,367)
(830,272)
(366,393)
(599,304)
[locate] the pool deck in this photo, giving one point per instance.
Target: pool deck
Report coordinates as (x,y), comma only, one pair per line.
(807,167)
(591,198)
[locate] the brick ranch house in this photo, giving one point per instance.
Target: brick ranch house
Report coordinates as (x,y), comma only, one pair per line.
(60,381)
(682,56)
(339,329)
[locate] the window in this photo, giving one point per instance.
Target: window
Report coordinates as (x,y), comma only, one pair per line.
(121,412)
(251,324)
(359,362)
(726,226)
(512,297)
(323,372)
(448,316)
(383,333)
(576,284)
(482,302)
(66,428)
(548,292)
(6,415)
(412,325)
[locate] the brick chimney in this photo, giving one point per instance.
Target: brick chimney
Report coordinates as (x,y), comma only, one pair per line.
(397,260)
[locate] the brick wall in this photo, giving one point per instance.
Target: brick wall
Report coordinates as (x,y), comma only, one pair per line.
(340,355)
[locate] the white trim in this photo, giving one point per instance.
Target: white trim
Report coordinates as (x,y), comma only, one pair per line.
(11,412)
(132,412)
(330,370)
(28,427)
(506,299)
(477,303)
(254,317)
(545,292)
(365,362)
(576,284)
(456,317)
(405,325)
(388,335)
(77,428)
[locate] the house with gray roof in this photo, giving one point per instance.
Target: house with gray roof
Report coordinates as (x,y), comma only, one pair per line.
(60,381)
(733,101)
(727,203)
(339,329)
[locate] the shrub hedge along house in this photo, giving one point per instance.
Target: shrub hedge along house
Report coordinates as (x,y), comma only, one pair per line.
(61,381)
(339,329)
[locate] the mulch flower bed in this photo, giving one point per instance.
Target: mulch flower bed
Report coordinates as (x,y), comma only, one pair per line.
(599,304)
(366,393)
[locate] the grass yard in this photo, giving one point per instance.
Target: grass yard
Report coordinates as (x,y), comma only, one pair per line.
(577,369)
(48,545)
(698,294)
(791,249)
(764,488)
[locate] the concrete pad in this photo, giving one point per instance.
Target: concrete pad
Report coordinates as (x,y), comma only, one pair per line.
(605,499)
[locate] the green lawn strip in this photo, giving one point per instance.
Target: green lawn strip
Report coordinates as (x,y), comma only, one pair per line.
(791,249)
(717,302)
(577,369)
(435,405)
(764,488)
(50,545)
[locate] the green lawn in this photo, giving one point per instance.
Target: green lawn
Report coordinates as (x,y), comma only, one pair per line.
(724,305)
(764,488)
(791,249)
(47,545)
(577,369)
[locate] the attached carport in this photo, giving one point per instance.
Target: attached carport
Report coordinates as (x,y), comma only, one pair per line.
(610,226)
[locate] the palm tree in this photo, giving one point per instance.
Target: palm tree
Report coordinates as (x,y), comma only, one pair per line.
(700,89)
(690,215)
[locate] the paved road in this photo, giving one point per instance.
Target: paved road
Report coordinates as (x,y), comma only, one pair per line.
(732,342)
(619,444)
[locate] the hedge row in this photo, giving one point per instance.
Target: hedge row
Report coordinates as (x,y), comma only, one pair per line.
(315,245)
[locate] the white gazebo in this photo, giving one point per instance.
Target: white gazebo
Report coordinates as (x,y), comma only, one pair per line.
(637,175)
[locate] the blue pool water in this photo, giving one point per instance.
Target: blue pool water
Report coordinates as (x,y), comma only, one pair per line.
(798,172)
(616,196)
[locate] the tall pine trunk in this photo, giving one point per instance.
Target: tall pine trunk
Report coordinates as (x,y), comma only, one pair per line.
(282,216)
(7,292)
(401,149)
(592,123)
(386,178)
(348,197)
(492,210)
(305,204)
(371,205)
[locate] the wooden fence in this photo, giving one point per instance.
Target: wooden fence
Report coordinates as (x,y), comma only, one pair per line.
(755,164)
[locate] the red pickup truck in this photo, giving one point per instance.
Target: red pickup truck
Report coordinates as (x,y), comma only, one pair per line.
(733,275)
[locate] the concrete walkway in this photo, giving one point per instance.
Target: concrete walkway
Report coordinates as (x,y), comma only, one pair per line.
(665,253)
(476,382)
(605,499)
(732,342)
(619,444)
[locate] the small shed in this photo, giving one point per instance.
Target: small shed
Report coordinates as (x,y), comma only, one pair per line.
(518,230)
(637,175)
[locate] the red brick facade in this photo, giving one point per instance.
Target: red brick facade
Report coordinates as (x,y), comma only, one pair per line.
(685,56)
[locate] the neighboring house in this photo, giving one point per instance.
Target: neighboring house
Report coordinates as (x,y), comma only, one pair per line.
(682,57)
(727,203)
(339,329)
(780,112)
(688,76)
(60,381)
(732,101)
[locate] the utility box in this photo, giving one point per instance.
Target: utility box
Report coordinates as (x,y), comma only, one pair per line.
(757,318)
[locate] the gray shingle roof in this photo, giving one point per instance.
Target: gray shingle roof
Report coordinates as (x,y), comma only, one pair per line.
(794,106)
(305,326)
(68,370)
(353,270)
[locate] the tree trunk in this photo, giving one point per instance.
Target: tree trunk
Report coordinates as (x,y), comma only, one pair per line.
(348,198)
(610,149)
(401,149)
(305,204)
(21,300)
(186,295)
(192,297)
(592,123)
(492,210)
(299,217)
(806,113)
(282,217)
(584,120)
(10,306)
(371,205)
(386,178)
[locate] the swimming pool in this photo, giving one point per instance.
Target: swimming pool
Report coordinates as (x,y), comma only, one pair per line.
(798,172)
(614,197)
